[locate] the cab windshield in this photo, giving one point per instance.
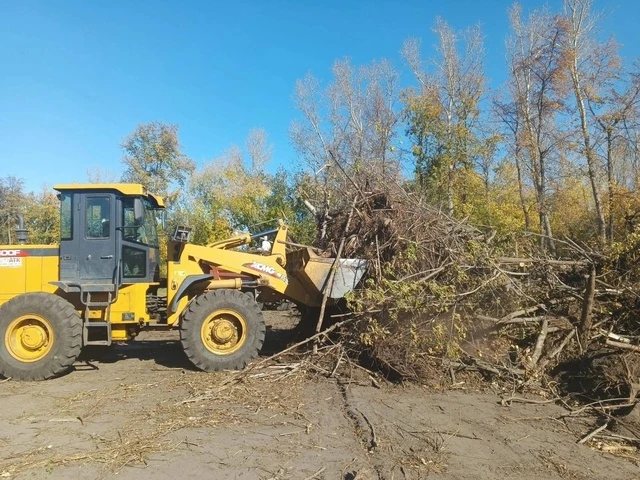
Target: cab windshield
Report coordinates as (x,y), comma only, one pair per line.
(144,231)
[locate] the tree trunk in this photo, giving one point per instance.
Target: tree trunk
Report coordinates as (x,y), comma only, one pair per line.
(547,228)
(610,187)
(589,154)
(450,191)
(546,240)
(586,317)
(523,204)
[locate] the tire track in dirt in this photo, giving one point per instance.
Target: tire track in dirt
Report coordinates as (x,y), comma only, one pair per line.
(363,429)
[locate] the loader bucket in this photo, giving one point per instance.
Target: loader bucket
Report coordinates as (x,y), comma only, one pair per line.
(312,273)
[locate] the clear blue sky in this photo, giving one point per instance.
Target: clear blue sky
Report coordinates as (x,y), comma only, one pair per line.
(77,76)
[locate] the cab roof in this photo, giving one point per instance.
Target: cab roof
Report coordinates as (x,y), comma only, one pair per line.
(128,189)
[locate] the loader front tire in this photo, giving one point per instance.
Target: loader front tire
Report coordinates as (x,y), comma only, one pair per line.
(222,330)
(40,336)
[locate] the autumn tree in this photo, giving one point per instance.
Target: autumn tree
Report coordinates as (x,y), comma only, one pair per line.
(153,157)
(345,135)
(98,174)
(234,192)
(612,96)
(12,202)
(444,114)
(579,30)
(43,217)
(232,187)
(40,211)
(535,89)
(285,201)
(507,112)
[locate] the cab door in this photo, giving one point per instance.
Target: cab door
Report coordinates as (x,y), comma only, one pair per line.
(138,254)
(97,255)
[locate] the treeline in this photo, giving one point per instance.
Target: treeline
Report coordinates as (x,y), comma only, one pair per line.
(553,151)
(39,209)
(232,193)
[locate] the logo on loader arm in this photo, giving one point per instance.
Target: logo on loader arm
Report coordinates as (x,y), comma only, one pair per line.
(262,268)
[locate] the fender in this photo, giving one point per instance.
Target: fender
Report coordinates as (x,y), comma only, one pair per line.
(188,281)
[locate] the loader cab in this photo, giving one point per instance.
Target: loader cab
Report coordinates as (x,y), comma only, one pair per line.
(108,235)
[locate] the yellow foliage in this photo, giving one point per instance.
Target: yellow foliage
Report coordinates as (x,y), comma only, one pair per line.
(626,212)
(571,212)
(496,205)
(42,217)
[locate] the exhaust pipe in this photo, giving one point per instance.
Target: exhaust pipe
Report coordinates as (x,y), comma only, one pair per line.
(22,234)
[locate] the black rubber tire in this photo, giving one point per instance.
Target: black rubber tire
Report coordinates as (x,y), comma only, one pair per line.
(198,311)
(67,334)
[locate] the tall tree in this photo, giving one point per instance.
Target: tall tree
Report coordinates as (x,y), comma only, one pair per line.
(612,97)
(536,91)
(444,115)
(40,212)
(259,150)
(154,158)
(43,217)
(98,174)
(507,112)
(12,202)
(346,131)
(234,192)
(579,43)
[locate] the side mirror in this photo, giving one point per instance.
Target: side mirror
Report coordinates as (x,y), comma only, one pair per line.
(138,210)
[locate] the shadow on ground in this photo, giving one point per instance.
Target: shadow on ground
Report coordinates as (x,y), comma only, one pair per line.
(167,351)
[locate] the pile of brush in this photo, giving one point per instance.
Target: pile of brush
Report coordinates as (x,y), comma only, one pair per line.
(442,296)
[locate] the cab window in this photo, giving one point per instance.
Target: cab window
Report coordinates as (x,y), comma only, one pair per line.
(142,231)
(134,262)
(66,217)
(97,217)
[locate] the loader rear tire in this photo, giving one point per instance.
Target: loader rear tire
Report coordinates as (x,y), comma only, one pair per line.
(222,330)
(40,336)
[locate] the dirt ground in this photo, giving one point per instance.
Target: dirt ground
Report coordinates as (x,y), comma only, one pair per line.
(142,412)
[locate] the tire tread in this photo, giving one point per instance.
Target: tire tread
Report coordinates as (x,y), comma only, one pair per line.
(67,327)
(200,308)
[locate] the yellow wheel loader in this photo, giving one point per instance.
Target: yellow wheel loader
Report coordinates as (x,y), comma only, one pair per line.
(102,284)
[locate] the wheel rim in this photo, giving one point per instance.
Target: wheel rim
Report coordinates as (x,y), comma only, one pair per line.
(29,338)
(224,332)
